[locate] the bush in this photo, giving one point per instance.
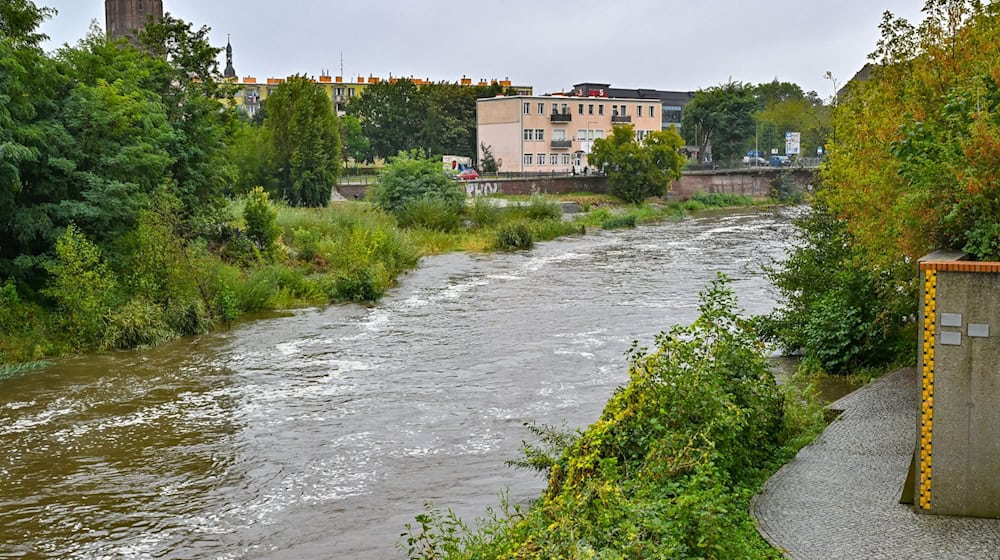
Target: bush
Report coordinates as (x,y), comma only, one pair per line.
(409,177)
(483,212)
(666,472)
(82,287)
(357,285)
(261,220)
(512,237)
(137,324)
(430,213)
(619,222)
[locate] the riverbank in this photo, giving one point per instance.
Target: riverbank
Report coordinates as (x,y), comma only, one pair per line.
(345,253)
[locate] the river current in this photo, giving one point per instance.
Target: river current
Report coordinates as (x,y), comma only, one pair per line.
(319,434)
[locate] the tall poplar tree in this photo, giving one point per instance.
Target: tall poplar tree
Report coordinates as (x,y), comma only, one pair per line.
(305,142)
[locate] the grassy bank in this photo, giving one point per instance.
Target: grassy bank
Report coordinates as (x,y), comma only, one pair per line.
(169,286)
(669,468)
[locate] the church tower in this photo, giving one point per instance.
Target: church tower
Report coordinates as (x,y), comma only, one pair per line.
(125,16)
(230,72)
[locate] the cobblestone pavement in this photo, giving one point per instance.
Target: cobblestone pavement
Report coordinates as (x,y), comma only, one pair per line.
(839,497)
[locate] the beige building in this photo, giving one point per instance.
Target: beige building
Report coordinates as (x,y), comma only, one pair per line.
(554,133)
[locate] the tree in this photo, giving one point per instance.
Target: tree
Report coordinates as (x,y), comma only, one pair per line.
(636,170)
(356,146)
(391,116)
(20,19)
(720,117)
(305,142)
(488,163)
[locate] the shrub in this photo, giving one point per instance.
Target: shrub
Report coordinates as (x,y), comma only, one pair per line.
(357,286)
(619,222)
(538,208)
(261,220)
(513,236)
(82,287)
(483,212)
(410,176)
(430,213)
(139,323)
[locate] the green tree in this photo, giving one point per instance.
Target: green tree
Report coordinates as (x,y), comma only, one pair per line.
(20,19)
(637,170)
(721,118)
(262,220)
(82,287)
(305,142)
(391,116)
(410,177)
(356,146)
(250,155)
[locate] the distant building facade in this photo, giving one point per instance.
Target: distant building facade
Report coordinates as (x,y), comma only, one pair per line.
(672,102)
(555,133)
(251,93)
(124,17)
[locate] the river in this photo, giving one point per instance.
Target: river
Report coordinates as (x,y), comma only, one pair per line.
(319,434)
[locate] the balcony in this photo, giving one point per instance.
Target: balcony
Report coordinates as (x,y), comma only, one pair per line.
(562,144)
(561,117)
(620,119)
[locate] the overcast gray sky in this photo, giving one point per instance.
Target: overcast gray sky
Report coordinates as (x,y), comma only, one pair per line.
(659,44)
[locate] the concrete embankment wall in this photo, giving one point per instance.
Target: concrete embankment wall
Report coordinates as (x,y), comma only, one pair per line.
(755,183)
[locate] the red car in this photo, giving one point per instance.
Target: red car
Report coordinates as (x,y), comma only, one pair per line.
(468,174)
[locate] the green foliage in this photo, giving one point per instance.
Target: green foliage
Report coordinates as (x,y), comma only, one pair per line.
(839,314)
(250,153)
(538,208)
(785,191)
(261,219)
(637,171)
(721,200)
(720,117)
(305,142)
(409,177)
(82,287)
(20,19)
(487,162)
(137,324)
(359,285)
(541,457)
(356,146)
(483,212)
(513,236)
(619,222)
(430,213)
(669,468)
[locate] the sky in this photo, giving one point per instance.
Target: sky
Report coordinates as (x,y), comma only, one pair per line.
(550,45)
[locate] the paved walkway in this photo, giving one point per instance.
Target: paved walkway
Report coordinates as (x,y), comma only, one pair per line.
(839,497)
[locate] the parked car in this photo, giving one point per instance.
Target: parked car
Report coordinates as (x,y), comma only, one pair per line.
(780,161)
(467,174)
(754,160)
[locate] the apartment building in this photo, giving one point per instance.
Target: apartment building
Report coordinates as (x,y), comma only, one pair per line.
(555,133)
(251,93)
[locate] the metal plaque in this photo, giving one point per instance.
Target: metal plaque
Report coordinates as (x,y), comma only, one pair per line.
(950,338)
(951,319)
(978,330)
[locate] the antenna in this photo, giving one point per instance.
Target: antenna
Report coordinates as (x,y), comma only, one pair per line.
(341,63)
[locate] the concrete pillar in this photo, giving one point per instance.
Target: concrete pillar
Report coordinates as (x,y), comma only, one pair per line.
(958,443)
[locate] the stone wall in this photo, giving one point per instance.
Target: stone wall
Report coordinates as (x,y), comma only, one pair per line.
(755,183)
(958,441)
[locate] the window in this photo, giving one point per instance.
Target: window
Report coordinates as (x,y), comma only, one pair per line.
(581,134)
(671,114)
(652,110)
(614,110)
(527,108)
(590,109)
(350,92)
(541,159)
(600,109)
(638,111)
(527,134)
(541,108)
(527,159)
(624,110)
(539,134)
(579,109)
(598,134)
(554,159)
(558,133)
(640,135)
(555,108)
(565,159)
(565,109)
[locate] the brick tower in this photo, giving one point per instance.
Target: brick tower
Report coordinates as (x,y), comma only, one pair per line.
(125,16)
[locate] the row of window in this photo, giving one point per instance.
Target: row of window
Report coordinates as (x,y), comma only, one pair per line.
(616,110)
(540,159)
(538,134)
